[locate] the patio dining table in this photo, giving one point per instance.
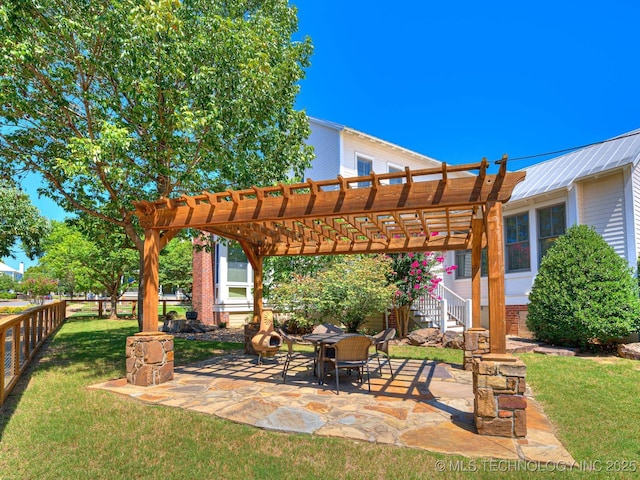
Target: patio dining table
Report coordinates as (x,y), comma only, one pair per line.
(322,342)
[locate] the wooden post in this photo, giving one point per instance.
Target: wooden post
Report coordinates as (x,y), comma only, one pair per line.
(476,272)
(151,282)
(495,253)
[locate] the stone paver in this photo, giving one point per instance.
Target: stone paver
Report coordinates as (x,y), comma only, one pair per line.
(426,405)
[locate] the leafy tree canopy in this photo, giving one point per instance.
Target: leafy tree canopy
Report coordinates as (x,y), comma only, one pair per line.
(113,102)
(20,222)
(87,255)
(176,265)
(348,290)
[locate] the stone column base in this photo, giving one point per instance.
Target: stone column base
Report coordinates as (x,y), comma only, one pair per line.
(476,344)
(499,386)
(149,359)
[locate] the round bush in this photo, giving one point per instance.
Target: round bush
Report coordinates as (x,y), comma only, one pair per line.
(584,293)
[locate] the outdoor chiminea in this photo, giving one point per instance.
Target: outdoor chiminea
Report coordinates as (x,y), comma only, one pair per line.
(266,342)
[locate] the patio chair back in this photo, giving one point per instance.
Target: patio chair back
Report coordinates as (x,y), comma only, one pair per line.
(326,328)
(381,340)
(352,349)
(351,353)
(381,343)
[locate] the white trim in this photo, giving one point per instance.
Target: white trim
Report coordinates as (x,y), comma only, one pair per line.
(357,155)
(629,220)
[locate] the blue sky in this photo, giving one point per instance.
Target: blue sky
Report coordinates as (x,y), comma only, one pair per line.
(463,80)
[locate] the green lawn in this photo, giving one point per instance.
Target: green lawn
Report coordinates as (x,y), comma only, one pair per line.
(54,427)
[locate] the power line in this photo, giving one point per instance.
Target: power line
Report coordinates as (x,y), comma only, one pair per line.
(566,150)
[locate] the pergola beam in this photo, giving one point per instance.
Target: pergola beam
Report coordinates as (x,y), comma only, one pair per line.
(455,193)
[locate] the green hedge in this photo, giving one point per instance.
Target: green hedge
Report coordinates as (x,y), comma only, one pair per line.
(584,293)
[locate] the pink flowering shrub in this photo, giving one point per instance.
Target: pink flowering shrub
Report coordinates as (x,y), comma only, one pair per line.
(414,275)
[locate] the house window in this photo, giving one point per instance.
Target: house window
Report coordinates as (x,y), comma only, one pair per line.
(517,243)
(237,292)
(395,181)
(363,165)
(236,264)
(463,262)
(552,223)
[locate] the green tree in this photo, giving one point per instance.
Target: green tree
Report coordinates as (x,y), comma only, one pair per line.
(584,292)
(298,296)
(286,269)
(37,283)
(113,102)
(96,264)
(20,221)
(176,265)
(354,288)
(6,283)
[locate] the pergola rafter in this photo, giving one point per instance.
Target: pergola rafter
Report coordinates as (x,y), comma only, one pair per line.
(435,209)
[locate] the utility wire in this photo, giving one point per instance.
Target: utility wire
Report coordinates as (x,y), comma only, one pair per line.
(565,150)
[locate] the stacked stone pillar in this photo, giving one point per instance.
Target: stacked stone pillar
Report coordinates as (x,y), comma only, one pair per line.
(499,386)
(149,359)
(476,344)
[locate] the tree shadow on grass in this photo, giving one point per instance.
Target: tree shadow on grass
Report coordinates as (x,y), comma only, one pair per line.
(93,351)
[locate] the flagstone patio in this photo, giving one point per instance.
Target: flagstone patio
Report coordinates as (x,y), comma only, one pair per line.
(426,405)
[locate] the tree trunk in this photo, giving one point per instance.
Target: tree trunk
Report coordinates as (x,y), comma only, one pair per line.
(114,306)
(402,319)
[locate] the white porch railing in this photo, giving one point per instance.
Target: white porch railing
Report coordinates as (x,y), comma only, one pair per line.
(443,309)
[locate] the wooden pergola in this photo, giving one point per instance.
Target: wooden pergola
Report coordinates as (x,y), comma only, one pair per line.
(448,208)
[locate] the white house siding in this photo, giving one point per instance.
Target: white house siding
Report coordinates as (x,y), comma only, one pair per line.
(381,154)
(326,142)
(603,208)
(517,284)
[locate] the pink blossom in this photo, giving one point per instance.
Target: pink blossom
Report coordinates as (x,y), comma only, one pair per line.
(434,234)
(416,286)
(440,259)
(415,264)
(410,255)
(424,263)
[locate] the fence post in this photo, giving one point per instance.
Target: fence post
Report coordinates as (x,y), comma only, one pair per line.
(467,313)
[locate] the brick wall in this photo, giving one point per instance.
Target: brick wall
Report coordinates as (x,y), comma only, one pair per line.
(512,318)
(203,288)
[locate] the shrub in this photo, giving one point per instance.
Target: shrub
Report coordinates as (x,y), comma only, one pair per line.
(13,310)
(584,293)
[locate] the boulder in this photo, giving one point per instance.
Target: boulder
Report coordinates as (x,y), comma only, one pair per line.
(630,351)
(425,335)
(453,340)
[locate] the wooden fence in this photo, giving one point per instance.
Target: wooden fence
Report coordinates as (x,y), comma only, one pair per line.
(20,338)
(102,307)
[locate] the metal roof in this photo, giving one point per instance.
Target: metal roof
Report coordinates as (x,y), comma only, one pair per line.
(561,172)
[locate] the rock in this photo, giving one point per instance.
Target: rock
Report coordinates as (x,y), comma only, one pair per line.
(558,351)
(425,335)
(453,340)
(630,351)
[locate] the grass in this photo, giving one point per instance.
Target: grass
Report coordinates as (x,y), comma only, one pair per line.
(54,427)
